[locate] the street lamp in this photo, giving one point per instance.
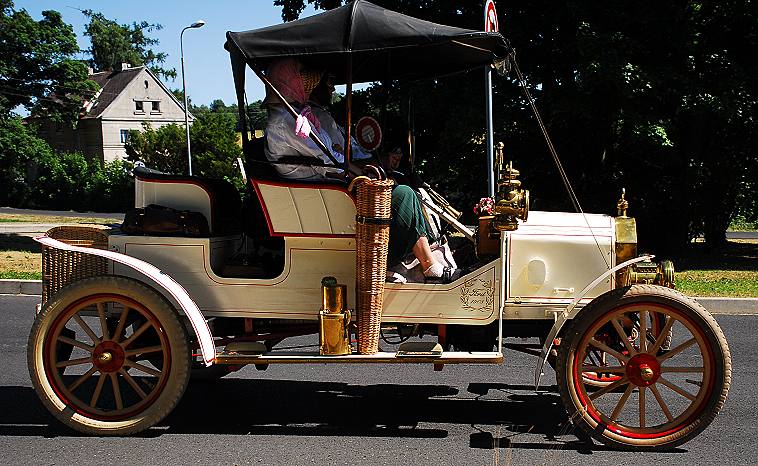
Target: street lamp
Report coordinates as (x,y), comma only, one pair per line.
(197,24)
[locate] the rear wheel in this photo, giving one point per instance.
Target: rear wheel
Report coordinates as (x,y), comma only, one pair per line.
(108,356)
(654,396)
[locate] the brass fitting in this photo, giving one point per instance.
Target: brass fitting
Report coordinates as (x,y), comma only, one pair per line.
(334,319)
(647,272)
(511,202)
(626,233)
(622,205)
(333,295)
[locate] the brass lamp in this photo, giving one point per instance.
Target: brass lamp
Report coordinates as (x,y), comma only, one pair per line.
(512,202)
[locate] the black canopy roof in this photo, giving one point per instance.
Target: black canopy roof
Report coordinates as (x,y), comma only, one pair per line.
(381,43)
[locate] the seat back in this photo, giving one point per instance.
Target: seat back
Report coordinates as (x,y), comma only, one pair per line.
(217,200)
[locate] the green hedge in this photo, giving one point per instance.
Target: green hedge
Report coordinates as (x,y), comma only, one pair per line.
(33,176)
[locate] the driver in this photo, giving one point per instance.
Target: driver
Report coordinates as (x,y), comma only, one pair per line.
(319,101)
(286,136)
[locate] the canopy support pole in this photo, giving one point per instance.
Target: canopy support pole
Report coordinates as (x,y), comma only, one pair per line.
(349,103)
(490,133)
(411,135)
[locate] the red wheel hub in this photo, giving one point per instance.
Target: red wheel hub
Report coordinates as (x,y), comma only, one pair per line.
(643,370)
(108,356)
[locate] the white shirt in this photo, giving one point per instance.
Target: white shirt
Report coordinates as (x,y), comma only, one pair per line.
(281,141)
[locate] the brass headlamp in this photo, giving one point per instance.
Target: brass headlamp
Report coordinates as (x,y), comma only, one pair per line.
(511,202)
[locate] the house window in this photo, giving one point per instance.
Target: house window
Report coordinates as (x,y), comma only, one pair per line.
(139,106)
(156,106)
(124,136)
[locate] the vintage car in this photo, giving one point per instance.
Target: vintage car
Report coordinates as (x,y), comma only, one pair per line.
(128,320)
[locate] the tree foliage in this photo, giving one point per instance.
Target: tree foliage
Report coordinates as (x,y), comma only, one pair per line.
(21,152)
(32,175)
(215,146)
(660,98)
(114,43)
(37,66)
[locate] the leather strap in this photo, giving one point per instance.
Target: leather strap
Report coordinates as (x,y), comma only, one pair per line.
(359,219)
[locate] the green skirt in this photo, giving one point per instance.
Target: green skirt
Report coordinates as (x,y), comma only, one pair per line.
(408,224)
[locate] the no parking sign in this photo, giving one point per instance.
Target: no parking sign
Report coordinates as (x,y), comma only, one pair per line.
(490,17)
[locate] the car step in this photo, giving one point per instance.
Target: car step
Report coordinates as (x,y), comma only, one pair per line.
(292,357)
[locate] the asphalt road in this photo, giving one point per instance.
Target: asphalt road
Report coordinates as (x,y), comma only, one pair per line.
(330,414)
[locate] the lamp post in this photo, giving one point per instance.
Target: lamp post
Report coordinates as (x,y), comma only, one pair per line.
(197,24)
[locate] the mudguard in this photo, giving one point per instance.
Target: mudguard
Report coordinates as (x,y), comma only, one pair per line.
(571,311)
(196,318)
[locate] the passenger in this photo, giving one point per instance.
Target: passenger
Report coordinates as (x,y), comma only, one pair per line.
(287,136)
(391,163)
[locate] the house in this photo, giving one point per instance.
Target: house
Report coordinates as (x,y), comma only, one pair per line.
(127,98)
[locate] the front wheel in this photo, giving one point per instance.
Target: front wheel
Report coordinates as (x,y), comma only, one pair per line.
(659,396)
(108,356)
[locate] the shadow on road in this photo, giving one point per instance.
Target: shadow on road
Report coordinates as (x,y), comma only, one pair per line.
(274,407)
(14,242)
(499,412)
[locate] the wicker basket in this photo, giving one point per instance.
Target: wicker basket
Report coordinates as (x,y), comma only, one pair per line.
(59,268)
(372,232)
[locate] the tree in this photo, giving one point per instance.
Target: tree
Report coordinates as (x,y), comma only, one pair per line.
(164,148)
(659,98)
(37,66)
(21,153)
(215,147)
(114,43)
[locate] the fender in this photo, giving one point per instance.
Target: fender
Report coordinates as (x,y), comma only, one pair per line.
(571,311)
(196,318)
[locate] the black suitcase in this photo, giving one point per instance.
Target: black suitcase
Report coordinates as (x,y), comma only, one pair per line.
(157,220)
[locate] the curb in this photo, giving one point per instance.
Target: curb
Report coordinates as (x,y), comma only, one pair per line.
(713,305)
(32,287)
(734,306)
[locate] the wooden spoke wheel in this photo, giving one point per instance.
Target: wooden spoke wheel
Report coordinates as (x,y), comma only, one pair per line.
(598,359)
(666,365)
(108,356)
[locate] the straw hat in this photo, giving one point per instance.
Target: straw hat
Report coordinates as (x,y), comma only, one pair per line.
(310,79)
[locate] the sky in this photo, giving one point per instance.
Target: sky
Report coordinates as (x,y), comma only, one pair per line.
(206,63)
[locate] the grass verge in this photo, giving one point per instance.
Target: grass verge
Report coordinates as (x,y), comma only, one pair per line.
(728,272)
(16,275)
(724,283)
(22,218)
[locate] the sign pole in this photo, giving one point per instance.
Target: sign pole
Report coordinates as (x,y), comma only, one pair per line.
(490,25)
(490,134)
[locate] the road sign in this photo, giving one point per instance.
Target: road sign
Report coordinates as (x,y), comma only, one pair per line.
(490,17)
(368,133)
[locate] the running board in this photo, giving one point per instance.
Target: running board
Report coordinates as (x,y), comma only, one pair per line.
(450,357)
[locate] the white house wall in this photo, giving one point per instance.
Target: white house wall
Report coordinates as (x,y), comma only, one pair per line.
(113,148)
(122,115)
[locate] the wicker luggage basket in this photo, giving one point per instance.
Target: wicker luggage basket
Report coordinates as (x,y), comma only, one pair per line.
(59,268)
(372,232)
